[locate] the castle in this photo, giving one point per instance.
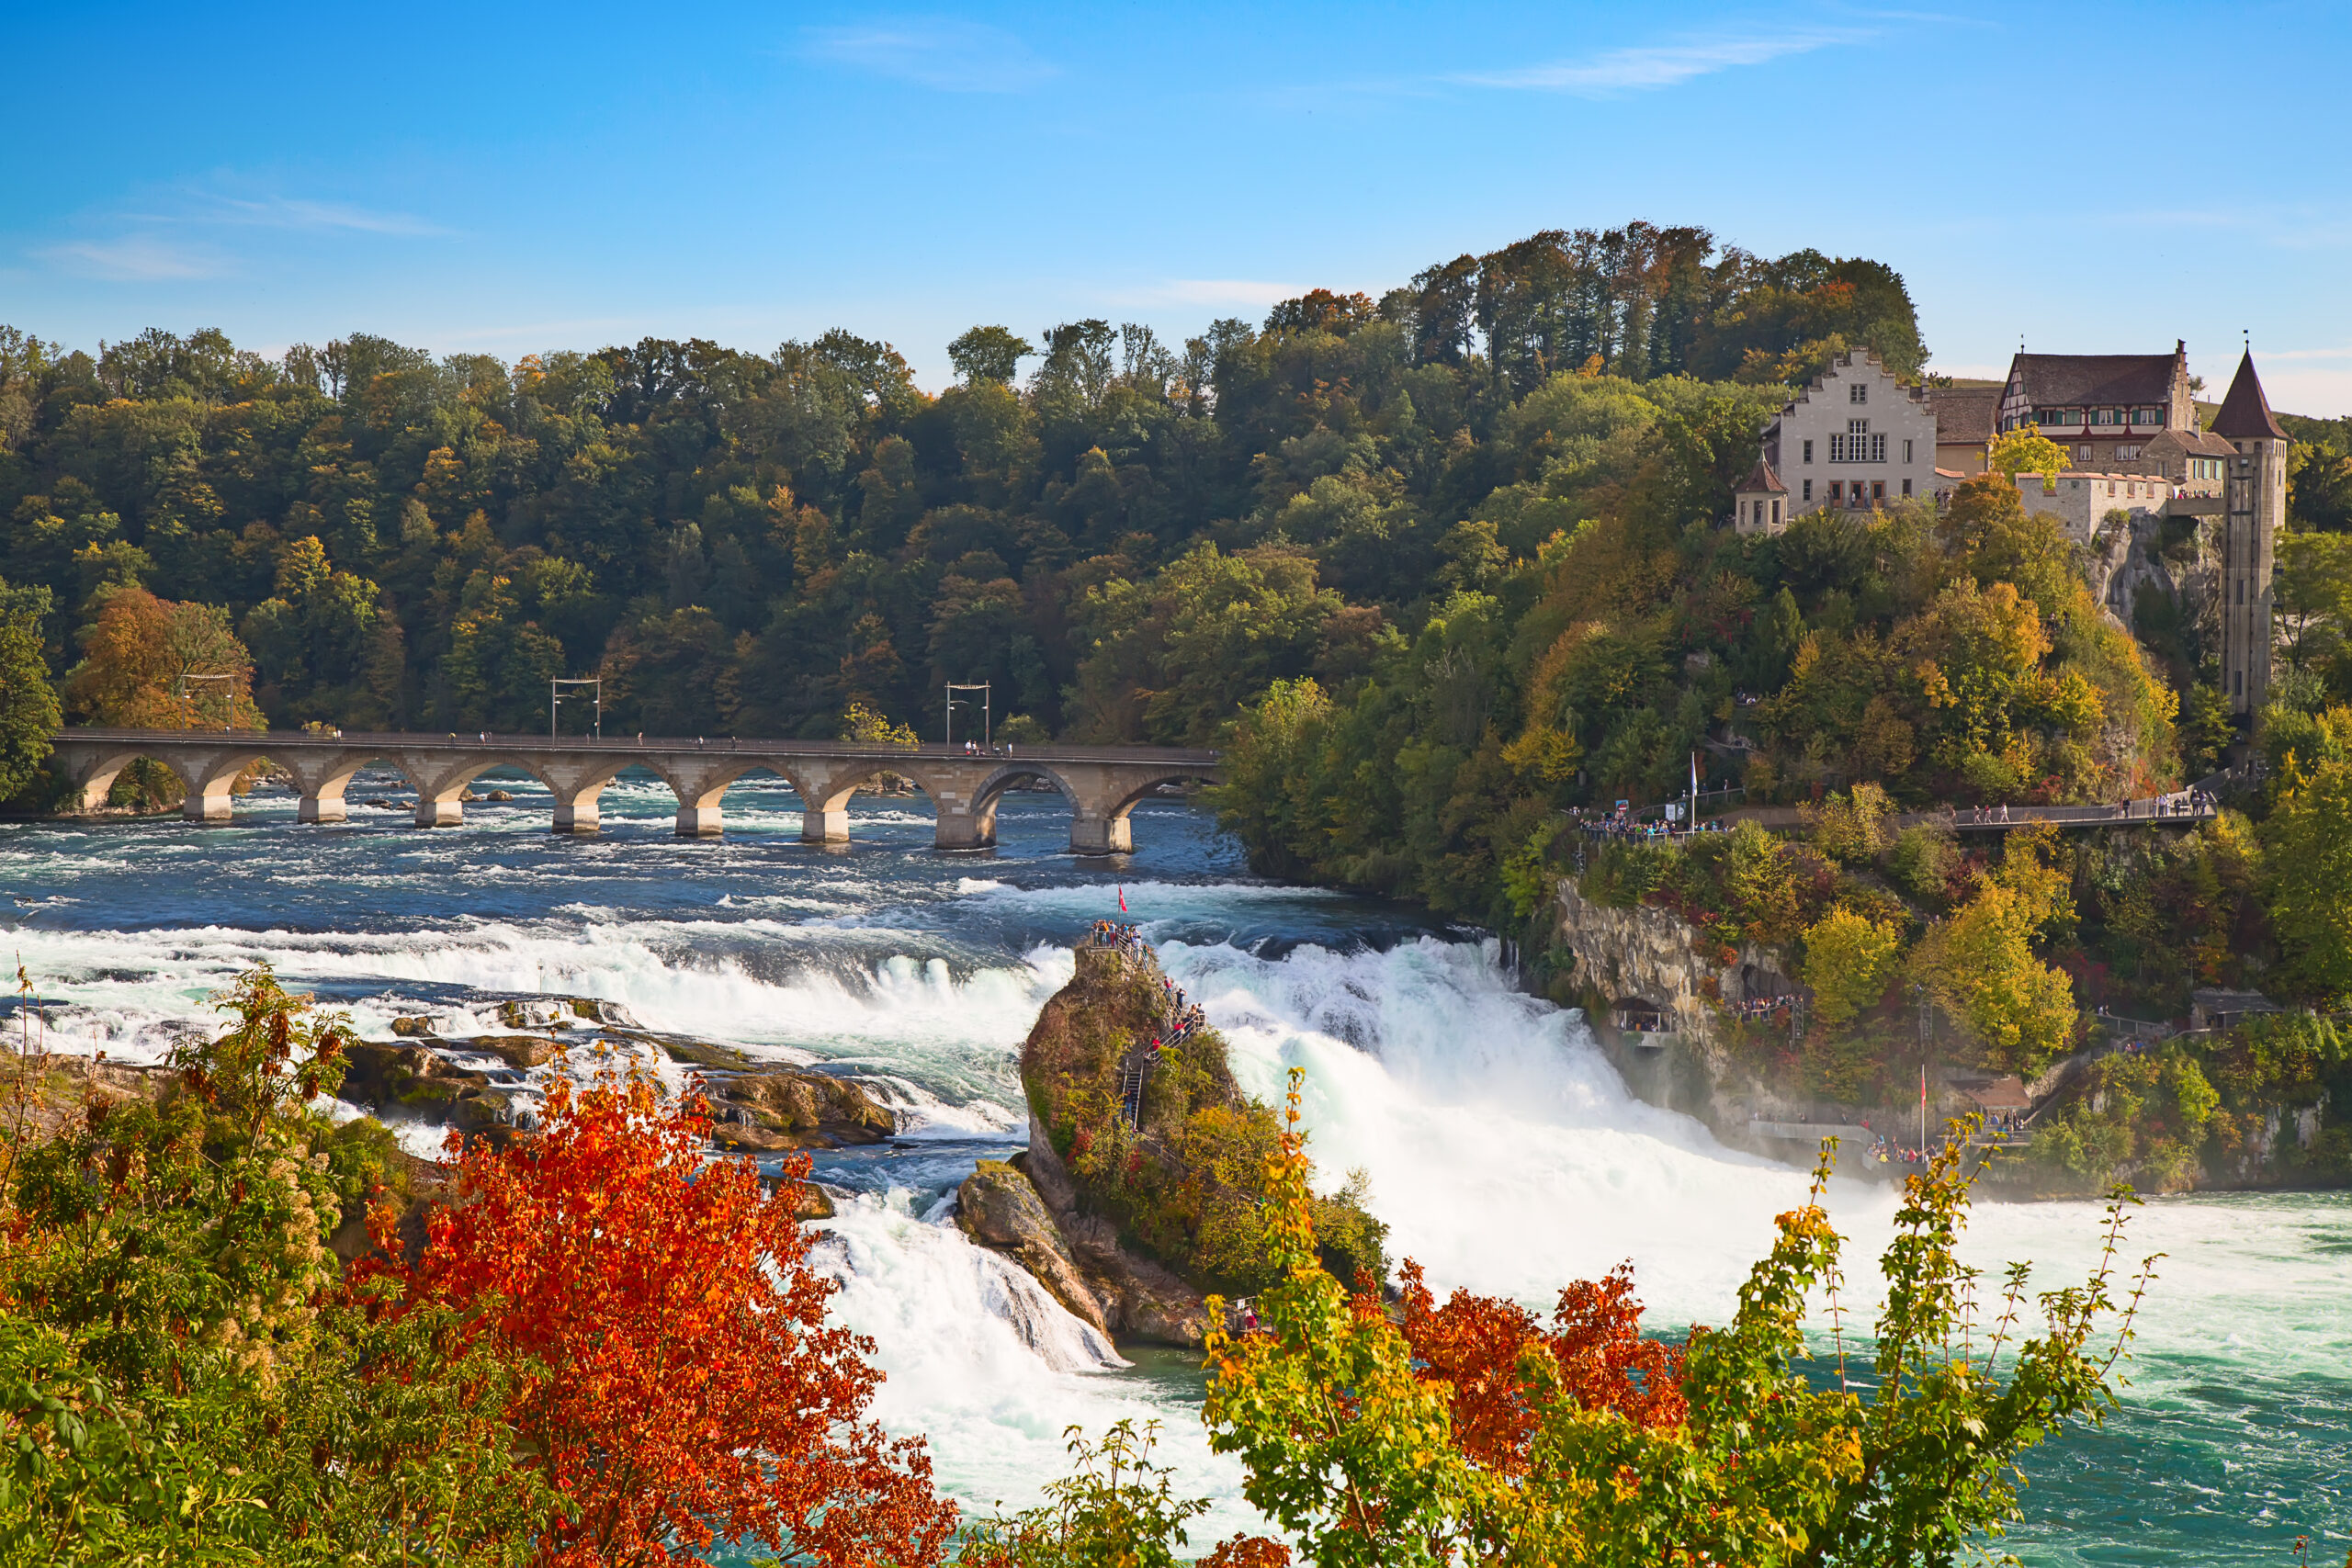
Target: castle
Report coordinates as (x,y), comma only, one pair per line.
(1858,439)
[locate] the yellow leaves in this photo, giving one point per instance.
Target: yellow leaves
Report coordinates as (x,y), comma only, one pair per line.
(1547,755)
(1848,958)
(1808,654)
(1930,677)
(2027,451)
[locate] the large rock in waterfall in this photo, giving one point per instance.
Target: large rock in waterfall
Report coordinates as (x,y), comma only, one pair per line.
(1139,1191)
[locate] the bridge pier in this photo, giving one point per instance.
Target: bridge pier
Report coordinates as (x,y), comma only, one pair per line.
(577,818)
(1094,835)
(824,825)
(965,829)
(322,808)
(432,813)
(700,822)
(209,804)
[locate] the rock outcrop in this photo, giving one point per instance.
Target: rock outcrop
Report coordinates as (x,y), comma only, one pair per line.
(755,1109)
(776,1110)
(1652,956)
(999,1207)
(1126,1206)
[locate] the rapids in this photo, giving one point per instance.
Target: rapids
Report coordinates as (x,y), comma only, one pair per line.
(1499,1144)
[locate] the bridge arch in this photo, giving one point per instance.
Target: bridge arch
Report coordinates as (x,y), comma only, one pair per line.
(701,786)
(207,774)
(1099,823)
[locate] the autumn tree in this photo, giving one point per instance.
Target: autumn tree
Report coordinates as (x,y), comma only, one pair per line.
(687,1387)
(156,664)
(2026,450)
(1982,965)
(1352,1449)
(1473,1346)
(1847,959)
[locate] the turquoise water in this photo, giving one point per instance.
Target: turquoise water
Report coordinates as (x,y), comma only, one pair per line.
(1499,1144)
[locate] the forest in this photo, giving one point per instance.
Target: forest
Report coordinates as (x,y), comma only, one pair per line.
(1128,542)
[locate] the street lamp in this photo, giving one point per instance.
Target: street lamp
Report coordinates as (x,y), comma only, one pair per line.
(987,730)
(188,706)
(554,701)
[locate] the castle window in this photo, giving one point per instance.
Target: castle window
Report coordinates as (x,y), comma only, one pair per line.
(1808,457)
(1860,392)
(1808,484)
(2145,416)
(1907,456)
(1906,490)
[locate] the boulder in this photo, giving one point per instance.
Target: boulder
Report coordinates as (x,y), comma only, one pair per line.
(790,1110)
(516,1050)
(380,1075)
(415,1026)
(998,1208)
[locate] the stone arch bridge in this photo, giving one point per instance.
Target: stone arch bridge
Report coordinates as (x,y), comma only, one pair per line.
(1101,784)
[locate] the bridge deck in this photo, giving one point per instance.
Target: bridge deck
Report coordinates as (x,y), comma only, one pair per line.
(1101,784)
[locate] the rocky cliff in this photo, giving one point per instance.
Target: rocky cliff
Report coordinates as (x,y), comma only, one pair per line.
(1138,1194)
(1649,955)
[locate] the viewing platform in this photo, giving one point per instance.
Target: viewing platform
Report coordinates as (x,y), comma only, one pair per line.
(1100,784)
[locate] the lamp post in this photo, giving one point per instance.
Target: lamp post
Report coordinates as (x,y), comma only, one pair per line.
(554,701)
(988,731)
(188,706)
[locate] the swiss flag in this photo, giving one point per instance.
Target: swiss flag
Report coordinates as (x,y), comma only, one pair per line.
(1122,900)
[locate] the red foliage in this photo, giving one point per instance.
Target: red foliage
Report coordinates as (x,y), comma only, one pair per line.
(1248,1552)
(684,1383)
(1475,1343)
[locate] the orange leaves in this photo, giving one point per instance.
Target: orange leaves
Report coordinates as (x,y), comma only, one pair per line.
(1475,1344)
(685,1385)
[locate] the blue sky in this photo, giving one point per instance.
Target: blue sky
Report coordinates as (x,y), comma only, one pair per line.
(518,178)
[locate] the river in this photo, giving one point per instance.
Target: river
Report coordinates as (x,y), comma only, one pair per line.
(1500,1147)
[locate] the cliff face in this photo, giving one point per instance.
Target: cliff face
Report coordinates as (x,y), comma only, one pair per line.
(1652,956)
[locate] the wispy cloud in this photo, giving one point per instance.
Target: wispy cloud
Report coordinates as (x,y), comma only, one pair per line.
(1649,67)
(951,56)
(134,258)
(292,212)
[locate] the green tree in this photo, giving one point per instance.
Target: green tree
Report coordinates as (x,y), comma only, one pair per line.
(988,353)
(1847,959)
(30,715)
(181,1381)
(1354,1456)
(2308,856)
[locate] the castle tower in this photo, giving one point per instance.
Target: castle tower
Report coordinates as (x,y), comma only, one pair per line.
(1759,505)
(2254,511)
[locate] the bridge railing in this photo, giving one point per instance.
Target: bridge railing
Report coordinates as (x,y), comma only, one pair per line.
(475,740)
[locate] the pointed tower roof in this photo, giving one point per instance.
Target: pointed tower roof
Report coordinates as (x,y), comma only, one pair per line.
(2245,413)
(1762,478)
